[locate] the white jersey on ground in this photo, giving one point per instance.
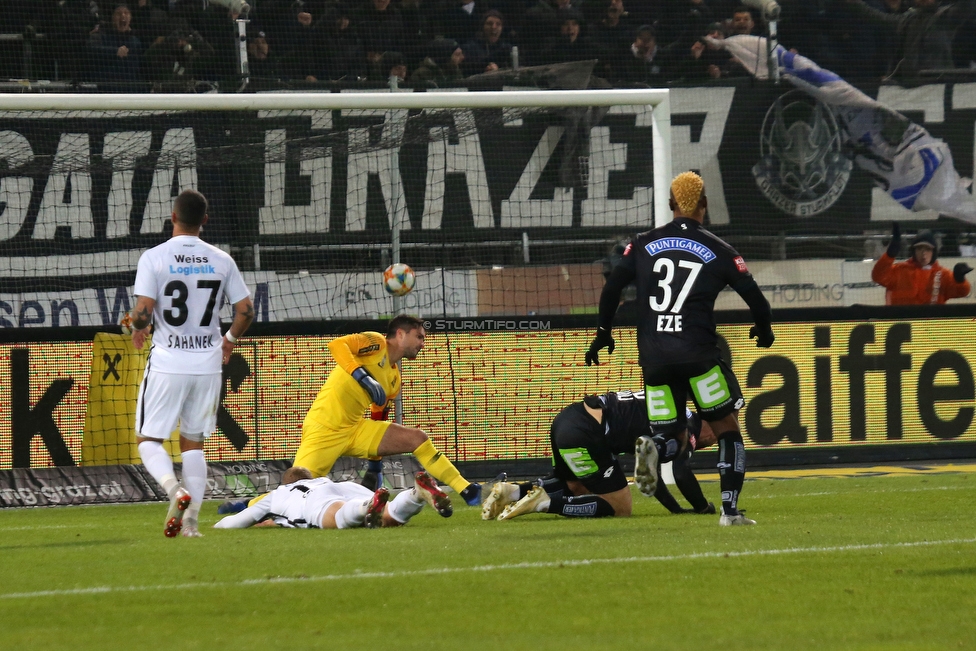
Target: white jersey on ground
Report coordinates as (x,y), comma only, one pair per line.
(187,278)
(300,505)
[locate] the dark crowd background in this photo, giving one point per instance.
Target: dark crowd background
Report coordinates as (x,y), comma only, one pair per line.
(191,45)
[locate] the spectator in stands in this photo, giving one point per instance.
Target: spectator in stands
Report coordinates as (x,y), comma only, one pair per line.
(281,19)
(175,62)
(68,28)
(708,61)
(612,31)
(260,62)
(683,21)
(611,34)
(337,53)
(923,34)
(568,45)
(742,22)
(417,28)
(648,63)
(149,19)
(920,280)
(542,20)
(461,19)
(380,26)
(218,27)
(812,29)
(391,64)
(442,66)
(116,54)
(488,52)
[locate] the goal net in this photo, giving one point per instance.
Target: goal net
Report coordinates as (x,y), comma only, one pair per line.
(502,202)
(507,205)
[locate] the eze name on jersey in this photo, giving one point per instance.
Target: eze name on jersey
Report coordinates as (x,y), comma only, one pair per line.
(669,323)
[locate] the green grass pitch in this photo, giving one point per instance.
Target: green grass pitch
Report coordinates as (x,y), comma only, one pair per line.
(885,562)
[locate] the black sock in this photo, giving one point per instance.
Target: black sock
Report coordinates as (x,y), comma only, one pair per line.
(552,486)
(580,506)
(687,483)
(731,469)
(524,488)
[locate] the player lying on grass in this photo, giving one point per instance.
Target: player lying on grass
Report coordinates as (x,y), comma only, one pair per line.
(304,502)
(587,480)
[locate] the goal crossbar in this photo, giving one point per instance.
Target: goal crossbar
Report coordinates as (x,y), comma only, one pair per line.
(656,97)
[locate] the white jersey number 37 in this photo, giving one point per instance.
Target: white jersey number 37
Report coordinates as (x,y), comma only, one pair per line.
(670,303)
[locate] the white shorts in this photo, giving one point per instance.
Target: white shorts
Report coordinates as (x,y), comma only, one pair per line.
(168,399)
(320,499)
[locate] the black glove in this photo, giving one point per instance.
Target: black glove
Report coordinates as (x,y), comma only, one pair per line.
(960,270)
(894,246)
(763,335)
(602,340)
(369,383)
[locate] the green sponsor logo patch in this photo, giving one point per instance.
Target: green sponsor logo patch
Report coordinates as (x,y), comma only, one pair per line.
(579,461)
(660,404)
(710,388)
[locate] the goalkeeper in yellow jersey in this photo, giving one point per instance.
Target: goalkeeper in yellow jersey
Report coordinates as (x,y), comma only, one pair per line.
(367,374)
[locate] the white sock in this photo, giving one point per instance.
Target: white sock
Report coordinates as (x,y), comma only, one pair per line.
(512,491)
(159,464)
(351,514)
(195,481)
(404,506)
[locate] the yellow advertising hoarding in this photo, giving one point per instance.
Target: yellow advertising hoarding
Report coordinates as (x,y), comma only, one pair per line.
(486,395)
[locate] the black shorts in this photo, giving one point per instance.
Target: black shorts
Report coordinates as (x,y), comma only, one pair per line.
(710,383)
(580,452)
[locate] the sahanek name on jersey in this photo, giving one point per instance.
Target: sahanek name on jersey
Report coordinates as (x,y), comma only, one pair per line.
(191,342)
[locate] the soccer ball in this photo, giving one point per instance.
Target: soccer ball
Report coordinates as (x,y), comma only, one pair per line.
(398,279)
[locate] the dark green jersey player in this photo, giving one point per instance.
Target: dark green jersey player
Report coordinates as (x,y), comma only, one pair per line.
(680,268)
(587,480)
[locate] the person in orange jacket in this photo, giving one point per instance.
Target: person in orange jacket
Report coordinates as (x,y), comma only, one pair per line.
(920,280)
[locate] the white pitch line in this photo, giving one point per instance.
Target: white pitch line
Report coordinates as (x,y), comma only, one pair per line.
(79,525)
(357,575)
(759,494)
(750,494)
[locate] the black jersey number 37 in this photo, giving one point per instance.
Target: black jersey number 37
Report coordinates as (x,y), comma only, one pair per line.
(673,289)
(179,292)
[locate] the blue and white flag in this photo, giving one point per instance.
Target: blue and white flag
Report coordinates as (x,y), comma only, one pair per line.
(904,159)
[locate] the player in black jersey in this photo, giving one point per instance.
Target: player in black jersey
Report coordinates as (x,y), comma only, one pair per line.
(680,268)
(587,480)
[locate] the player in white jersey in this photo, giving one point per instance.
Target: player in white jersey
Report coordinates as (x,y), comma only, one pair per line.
(302,502)
(178,289)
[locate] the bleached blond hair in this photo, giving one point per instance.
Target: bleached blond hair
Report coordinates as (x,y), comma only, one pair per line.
(687,190)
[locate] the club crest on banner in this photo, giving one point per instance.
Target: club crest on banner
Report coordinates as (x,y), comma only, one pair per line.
(802,169)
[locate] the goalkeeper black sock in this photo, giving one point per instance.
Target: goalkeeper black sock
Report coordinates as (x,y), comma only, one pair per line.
(731,469)
(580,506)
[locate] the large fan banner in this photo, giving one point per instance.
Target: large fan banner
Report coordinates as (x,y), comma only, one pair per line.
(905,160)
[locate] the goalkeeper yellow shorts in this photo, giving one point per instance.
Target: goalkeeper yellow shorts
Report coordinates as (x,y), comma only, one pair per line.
(321,446)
